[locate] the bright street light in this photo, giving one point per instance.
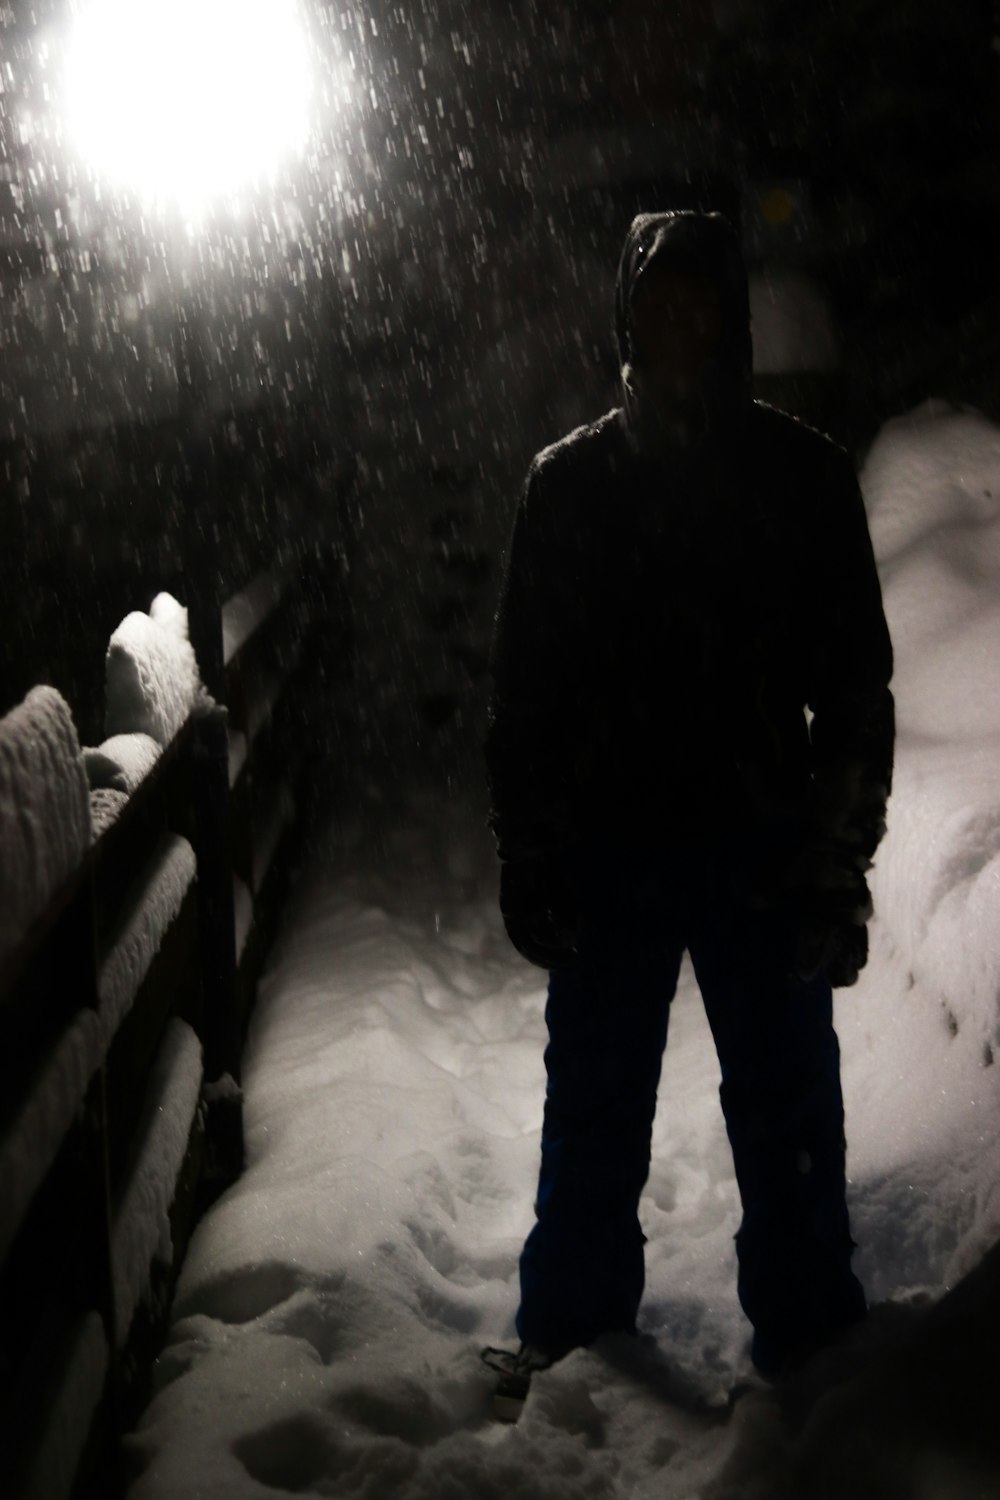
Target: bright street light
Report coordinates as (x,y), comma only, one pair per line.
(186,101)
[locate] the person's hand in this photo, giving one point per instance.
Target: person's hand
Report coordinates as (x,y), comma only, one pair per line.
(837,947)
(538,910)
(832,904)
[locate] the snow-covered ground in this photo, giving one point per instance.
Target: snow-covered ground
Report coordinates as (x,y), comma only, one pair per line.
(329,1314)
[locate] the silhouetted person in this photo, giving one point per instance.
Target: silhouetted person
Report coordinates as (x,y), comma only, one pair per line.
(690,747)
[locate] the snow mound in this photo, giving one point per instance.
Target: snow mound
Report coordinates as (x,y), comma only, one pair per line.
(932,486)
(935,467)
(121,762)
(44,809)
(151,677)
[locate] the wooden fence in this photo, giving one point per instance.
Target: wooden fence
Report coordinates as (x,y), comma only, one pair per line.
(124,1001)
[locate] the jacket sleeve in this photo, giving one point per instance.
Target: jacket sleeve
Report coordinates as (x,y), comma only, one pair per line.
(852,729)
(529,724)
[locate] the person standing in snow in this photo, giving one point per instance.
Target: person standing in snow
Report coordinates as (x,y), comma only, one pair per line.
(690,748)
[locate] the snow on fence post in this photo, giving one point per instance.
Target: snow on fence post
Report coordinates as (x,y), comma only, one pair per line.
(223,1039)
(223,1027)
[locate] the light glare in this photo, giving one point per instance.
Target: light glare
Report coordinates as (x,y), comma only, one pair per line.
(187,100)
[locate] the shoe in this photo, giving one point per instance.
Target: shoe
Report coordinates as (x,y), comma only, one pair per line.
(514,1370)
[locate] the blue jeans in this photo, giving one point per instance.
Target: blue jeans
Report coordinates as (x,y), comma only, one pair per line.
(582,1268)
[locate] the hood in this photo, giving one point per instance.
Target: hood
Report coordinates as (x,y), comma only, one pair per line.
(704,244)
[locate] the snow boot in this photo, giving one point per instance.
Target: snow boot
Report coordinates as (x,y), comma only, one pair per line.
(514,1369)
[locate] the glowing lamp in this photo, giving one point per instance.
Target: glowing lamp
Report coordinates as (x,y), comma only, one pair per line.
(186,101)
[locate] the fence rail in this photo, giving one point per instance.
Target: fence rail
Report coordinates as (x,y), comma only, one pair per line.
(124,1000)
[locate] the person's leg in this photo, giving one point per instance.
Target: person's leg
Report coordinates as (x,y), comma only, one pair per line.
(784,1112)
(582,1265)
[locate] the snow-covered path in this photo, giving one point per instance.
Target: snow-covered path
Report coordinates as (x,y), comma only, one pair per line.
(332,1304)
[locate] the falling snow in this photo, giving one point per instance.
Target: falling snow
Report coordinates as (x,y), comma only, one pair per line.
(329,1313)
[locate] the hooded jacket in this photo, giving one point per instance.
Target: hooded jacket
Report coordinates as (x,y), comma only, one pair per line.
(690,646)
(702,245)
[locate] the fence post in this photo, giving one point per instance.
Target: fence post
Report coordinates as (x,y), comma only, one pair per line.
(223,1039)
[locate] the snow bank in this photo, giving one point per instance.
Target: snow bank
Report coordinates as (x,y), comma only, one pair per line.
(920,1034)
(141,1227)
(44,809)
(151,676)
(932,486)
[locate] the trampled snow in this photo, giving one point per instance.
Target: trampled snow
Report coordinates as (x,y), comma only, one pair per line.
(330,1310)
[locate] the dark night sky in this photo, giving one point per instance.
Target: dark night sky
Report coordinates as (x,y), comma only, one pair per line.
(426,299)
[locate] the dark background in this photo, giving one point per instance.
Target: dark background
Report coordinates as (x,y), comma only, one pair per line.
(359,369)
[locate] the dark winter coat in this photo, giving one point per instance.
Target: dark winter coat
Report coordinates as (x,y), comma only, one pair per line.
(691,650)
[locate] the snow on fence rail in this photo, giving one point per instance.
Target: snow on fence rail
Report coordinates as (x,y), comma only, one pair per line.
(138,888)
(44,816)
